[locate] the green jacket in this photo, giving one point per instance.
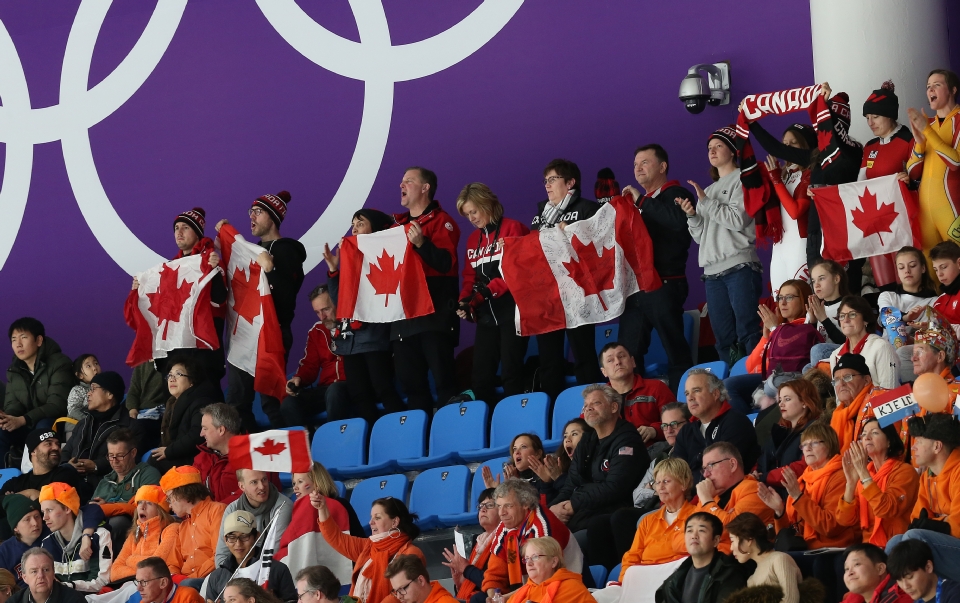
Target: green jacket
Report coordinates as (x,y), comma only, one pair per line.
(42,394)
(147,388)
(112,491)
(726,576)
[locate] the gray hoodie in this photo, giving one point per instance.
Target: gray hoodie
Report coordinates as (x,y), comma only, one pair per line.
(722,227)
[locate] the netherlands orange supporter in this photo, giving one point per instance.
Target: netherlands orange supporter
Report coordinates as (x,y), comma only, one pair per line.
(548,580)
(936,446)
(154,534)
(855,389)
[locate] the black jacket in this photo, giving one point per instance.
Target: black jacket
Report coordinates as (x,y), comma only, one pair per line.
(286,277)
(89,437)
(731,426)
(354,337)
(667,225)
(780,450)
(180,427)
(59,594)
(280,581)
(31,481)
(43,393)
(578,209)
(604,473)
(725,577)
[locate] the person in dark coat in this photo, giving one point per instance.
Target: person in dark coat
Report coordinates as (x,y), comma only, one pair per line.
(242,538)
(180,428)
(707,573)
(42,583)
(607,466)
(800,405)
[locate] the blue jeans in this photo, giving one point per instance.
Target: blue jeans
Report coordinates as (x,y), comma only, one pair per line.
(732,304)
(946,550)
(741,388)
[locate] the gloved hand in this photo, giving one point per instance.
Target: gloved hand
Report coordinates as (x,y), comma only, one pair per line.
(925,523)
(465,307)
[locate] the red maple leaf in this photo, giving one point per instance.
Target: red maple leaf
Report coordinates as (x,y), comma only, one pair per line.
(270,448)
(167,302)
(384,276)
(873,218)
(246,295)
(600,267)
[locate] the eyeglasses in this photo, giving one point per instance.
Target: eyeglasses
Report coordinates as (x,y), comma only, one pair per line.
(662,482)
(842,316)
(95,387)
(709,467)
(256,211)
(810,445)
(672,425)
(176,375)
(306,592)
(142,583)
(233,538)
(118,457)
(845,379)
(488,506)
(551,180)
(399,592)
(535,558)
(786,298)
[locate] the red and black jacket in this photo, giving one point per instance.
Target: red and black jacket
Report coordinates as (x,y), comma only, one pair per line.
(482,266)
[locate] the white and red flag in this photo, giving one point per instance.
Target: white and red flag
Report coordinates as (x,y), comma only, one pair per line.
(171,309)
(867,218)
(275,450)
(256,344)
(582,274)
(382,278)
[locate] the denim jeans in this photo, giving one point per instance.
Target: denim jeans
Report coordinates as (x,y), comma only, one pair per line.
(741,388)
(732,305)
(946,550)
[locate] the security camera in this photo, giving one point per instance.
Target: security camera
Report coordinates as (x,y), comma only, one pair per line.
(697,92)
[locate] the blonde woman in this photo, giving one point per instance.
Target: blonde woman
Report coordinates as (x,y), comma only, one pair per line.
(549,581)
(154,534)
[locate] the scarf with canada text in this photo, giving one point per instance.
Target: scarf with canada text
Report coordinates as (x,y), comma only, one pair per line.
(813,483)
(760,199)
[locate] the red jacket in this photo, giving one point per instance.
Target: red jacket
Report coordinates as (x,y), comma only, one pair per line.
(642,404)
(886,592)
(484,251)
(442,235)
(949,306)
(319,359)
(217,474)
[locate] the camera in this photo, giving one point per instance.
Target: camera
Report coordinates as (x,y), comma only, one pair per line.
(697,92)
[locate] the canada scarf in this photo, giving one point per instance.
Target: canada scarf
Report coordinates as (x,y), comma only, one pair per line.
(478,559)
(537,524)
(879,535)
(813,483)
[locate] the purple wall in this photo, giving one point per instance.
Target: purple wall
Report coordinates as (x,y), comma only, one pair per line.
(232,111)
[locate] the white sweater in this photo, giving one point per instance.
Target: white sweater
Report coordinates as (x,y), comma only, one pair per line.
(882,360)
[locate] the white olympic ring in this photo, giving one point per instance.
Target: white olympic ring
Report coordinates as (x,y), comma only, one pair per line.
(373,60)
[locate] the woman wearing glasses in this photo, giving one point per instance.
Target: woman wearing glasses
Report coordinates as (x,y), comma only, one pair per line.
(468,575)
(549,581)
(180,427)
(881,489)
(857,321)
(812,497)
(800,406)
(392,530)
(153,535)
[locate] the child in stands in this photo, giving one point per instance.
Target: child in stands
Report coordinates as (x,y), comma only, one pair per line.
(85,367)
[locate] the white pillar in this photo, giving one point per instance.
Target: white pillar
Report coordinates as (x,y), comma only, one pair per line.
(859,44)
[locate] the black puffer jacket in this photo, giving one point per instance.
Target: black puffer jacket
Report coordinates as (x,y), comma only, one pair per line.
(604,473)
(43,393)
(89,437)
(180,428)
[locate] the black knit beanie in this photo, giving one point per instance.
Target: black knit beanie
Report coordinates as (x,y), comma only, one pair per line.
(883,101)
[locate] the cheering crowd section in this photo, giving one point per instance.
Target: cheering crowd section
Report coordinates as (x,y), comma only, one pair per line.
(116,493)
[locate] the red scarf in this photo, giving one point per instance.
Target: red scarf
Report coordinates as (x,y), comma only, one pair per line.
(845,348)
(879,535)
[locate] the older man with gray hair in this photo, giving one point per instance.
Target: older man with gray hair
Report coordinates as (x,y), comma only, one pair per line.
(605,470)
(714,420)
(42,585)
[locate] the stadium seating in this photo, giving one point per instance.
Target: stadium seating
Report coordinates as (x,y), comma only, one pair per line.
(340,444)
(599,574)
(341,489)
(614,573)
(606,334)
(439,495)
(717,367)
(455,427)
(569,405)
(394,436)
(6,474)
(740,368)
(514,414)
(370,489)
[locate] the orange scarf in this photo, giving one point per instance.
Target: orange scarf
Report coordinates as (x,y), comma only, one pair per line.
(478,559)
(879,535)
(381,553)
(813,483)
(845,419)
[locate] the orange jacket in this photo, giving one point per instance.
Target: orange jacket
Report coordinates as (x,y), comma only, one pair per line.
(892,505)
(358,550)
(743,499)
(153,543)
(940,494)
(656,541)
(185,594)
(197,539)
(822,516)
(563,586)
(438,594)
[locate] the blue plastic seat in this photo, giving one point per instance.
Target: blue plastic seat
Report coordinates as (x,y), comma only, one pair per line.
(599,574)
(7,474)
(261,417)
(469,518)
(655,361)
(398,435)
(439,496)
(455,427)
(606,334)
(340,444)
(341,489)
(614,573)
(717,367)
(740,368)
(532,349)
(370,489)
(569,405)
(522,413)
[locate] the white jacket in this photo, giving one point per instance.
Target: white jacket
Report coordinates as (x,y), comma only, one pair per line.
(882,360)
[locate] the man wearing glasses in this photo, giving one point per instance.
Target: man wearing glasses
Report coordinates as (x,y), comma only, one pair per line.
(282,260)
(245,545)
(115,491)
(86,450)
(317,584)
(155,584)
(410,582)
(855,389)
(726,491)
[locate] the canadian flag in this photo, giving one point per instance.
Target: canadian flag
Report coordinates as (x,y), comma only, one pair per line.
(582,274)
(381,278)
(275,450)
(256,345)
(867,218)
(171,309)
